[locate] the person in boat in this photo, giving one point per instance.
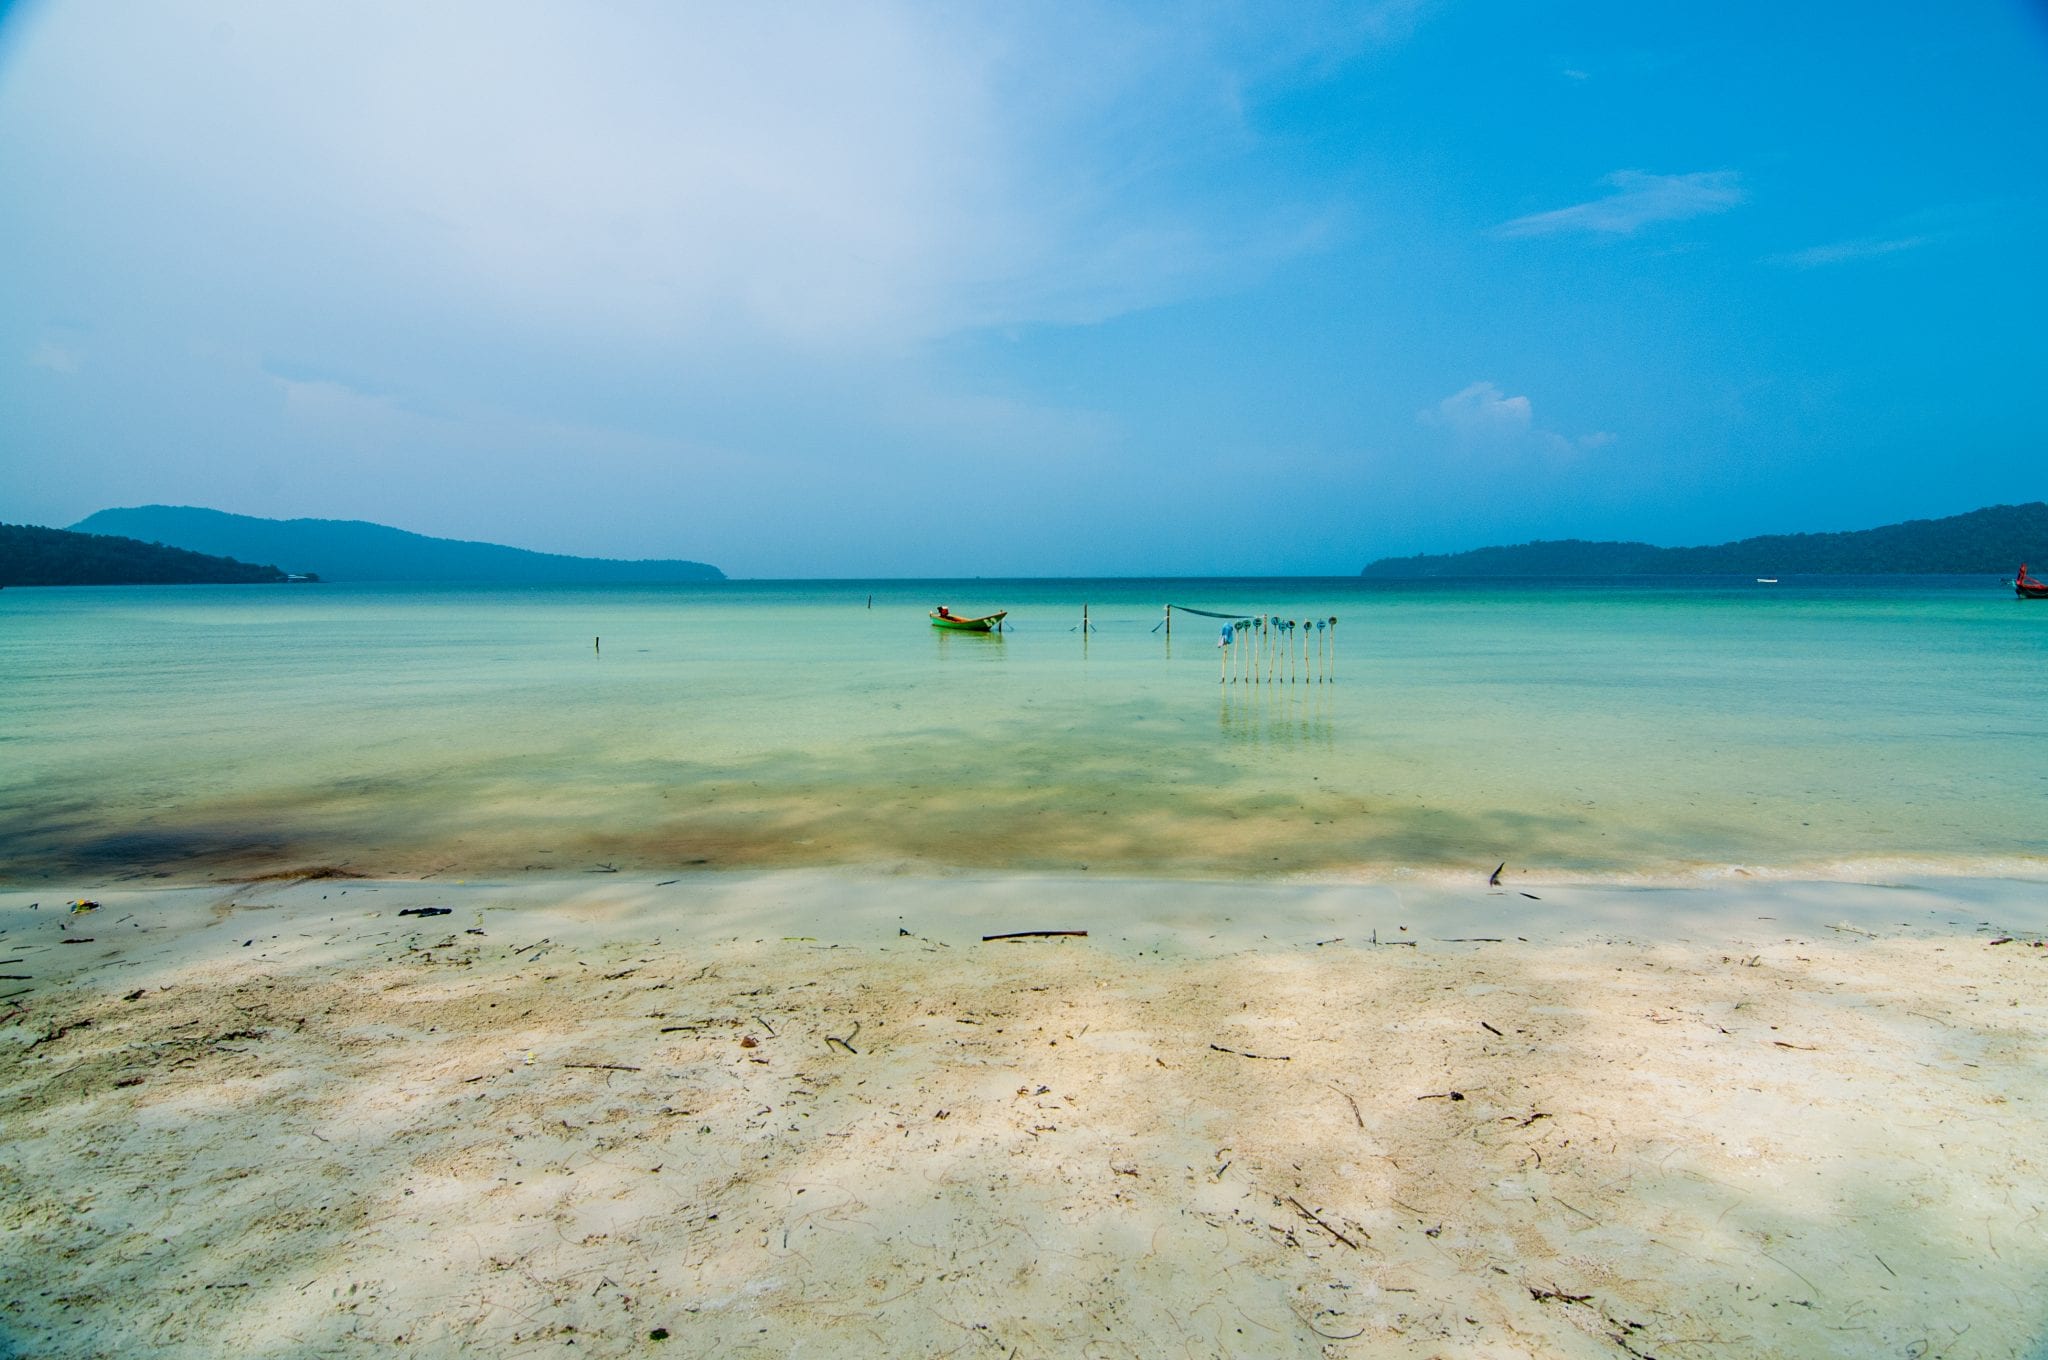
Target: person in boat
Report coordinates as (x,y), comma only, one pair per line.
(946,613)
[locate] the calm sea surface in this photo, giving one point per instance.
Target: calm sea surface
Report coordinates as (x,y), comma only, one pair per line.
(1651,729)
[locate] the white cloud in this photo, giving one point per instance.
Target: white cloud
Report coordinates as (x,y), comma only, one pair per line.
(1846,252)
(1637,201)
(1482,417)
(1480,412)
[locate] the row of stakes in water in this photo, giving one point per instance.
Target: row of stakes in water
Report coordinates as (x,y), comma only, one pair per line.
(1265,650)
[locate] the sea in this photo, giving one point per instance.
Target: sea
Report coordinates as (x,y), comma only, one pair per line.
(1647,730)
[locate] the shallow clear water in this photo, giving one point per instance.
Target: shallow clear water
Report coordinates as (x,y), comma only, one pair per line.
(1639,729)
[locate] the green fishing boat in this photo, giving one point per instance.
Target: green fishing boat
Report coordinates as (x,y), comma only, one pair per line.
(943,617)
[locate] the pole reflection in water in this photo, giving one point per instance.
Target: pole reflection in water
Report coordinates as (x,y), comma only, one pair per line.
(1262,715)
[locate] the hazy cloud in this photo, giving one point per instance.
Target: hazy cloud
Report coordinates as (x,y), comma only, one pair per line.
(1637,201)
(816,175)
(56,357)
(1846,252)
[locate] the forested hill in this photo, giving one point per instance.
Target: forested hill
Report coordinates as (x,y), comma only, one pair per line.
(1994,540)
(32,556)
(355,550)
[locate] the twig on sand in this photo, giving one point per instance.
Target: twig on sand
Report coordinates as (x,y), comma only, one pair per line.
(1782,1266)
(1263,1057)
(847,1042)
(1491,1030)
(1853,930)
(1316,1219)
(1354,1104)
(1557,1295)
(603,1067)
(1332,1336)
(770,1028)
(1032,935)
(603,869)
(1580,1212)
(1443,1095)
(1493,881)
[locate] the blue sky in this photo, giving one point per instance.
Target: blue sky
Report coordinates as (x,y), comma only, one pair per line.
(820,290)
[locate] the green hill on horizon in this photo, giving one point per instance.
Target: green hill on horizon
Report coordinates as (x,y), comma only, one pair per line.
(357,550)
(31,555)
(1994,540)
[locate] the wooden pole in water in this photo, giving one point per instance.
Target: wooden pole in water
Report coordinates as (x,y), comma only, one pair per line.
(1169,620)
(597,645)
(1333,649)
(1084,618)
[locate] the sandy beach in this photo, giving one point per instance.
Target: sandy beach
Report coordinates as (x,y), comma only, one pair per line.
(815,1113)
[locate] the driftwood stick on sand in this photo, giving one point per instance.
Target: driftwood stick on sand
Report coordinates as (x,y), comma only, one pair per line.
(1032,935)
(1262,1057)
(1556,1295)
(847,1042)
(1353,1102)
(1316,1219)
(603,1067)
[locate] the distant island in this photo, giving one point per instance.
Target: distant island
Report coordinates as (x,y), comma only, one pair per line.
(355,550)
(1994,540)
(34,556)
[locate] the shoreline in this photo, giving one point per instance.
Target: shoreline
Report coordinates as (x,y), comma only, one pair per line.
(808,1110)
(1438,880)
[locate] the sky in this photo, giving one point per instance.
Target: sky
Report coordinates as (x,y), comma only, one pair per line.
(1059,289)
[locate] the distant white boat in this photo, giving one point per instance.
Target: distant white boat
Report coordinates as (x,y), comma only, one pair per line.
(1767,580)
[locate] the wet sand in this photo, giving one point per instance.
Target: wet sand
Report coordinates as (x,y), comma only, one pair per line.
(815,1113)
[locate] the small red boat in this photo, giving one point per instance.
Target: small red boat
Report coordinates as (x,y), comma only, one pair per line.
(2027,588)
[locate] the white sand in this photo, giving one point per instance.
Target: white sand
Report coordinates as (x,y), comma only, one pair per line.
(1693,1123)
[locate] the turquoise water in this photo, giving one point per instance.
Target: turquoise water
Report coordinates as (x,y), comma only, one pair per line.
(1649,729)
